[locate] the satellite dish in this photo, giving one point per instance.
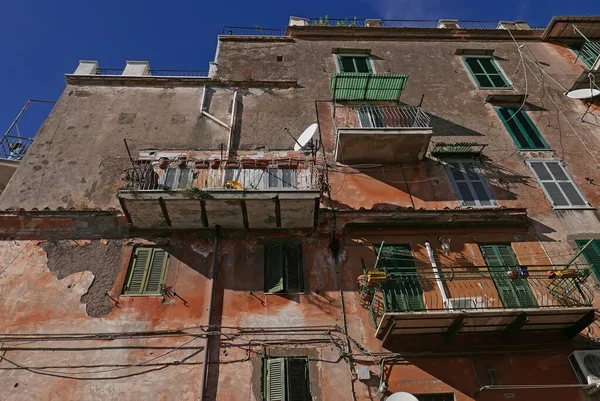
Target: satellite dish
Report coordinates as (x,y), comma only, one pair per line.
(402,397)
(306,136)
(583,93)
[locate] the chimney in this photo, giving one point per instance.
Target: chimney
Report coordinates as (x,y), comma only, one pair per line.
(86,67)
(372,22)
(137,68)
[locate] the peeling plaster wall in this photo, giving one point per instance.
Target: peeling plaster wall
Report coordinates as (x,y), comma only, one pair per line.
(101,258)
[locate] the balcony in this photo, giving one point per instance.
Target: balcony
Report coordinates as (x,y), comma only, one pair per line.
(187,194)
(455,300)
(381,134)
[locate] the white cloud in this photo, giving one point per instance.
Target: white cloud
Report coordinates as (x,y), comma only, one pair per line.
(407,9)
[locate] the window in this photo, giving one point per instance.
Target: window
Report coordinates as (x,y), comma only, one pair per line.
(521,128)
(514,293)
(559,188)
(402,290)
(435,397)
(591,254)
(370,117)
(354,64)
(176,178)
(286,379)
(587,52)
(469,184)
(486,73)
(281,178)
(283,268)
(147,270)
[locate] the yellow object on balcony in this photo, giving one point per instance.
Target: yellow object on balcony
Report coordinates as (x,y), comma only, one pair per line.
(232,184)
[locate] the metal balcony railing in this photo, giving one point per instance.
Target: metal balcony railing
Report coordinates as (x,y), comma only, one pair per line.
(396,23)
(251,31)
(371,116)
(157,73)
(589,53)
(147,175)
(476,288)
(14,147)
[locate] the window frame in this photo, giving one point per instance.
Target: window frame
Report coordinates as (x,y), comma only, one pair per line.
(278,173)
(482,180)
(370,64)
(286,385)
(571,180)
(286,247)
(576,49)
(496,65)
(176,180)
(515,111)
(146,273)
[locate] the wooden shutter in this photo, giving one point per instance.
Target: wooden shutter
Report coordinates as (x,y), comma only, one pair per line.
(275,389)
(469,184)
(403,290)
(293,269)
(591,254)
(558,186)
(156,272)
(297,379)
(274,268)
(138,269)
(514,293)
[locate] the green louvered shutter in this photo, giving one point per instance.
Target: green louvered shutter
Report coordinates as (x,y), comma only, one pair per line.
(156,272)
(274,268)
(297,376)
(403,290)
(275,389)
(514,293)
(293,266)
(137,273)
(591,254)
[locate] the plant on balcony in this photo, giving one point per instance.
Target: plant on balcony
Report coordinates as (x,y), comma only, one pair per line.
(196,193)
(321,21)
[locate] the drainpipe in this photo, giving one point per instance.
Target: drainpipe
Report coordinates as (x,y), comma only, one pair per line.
(231,129)
(438,279)
(213,276)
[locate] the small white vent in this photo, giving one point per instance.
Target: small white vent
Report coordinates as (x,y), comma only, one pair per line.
(465,303)
(586,365)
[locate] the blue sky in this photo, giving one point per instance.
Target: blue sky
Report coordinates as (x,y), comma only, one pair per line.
(41,40)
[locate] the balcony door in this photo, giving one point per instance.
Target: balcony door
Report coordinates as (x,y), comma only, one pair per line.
(500,260)
(402,289)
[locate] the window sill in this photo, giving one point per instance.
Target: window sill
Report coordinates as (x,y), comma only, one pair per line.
(141,295)
(573,208)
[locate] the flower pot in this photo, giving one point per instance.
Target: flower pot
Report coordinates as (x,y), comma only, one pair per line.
(215,163)
(182,162)
(163,163)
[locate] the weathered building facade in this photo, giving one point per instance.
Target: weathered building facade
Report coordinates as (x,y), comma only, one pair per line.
(170,235)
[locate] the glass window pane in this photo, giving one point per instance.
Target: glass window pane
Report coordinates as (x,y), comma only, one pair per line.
(362,64)
(456,171)
(347,64)
(484,81)
(488,65)
(466,194)
(474,65)
(481,193)
(534,135)
(518,134)
(498,81)
(471,170)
